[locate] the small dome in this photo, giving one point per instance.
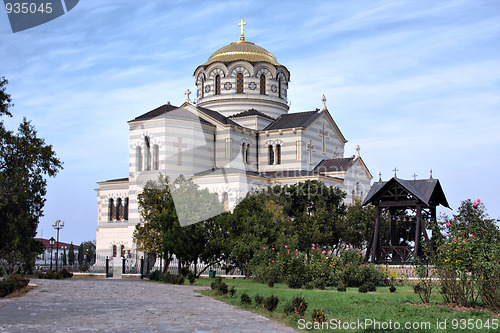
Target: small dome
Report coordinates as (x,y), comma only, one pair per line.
(242,50)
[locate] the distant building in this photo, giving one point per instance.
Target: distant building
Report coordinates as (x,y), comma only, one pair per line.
(45,257)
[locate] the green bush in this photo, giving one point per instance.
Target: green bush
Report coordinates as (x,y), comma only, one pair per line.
(318,316)
(309,285)
(215,284)
(170,278)
(295,281)
(191,277)
(392,289)
(341,288)
(245,299)
(466,273)
(65,274)
(84,268)
(222,288)
(232,292)
(155,275)
(258,299)
(288,308)
(319,283)
(368,286)
(12,283)
(271,303)
(299,305)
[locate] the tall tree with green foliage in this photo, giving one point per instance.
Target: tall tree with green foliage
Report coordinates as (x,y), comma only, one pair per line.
(86,252)
(25,162)
(71,254)
(161,232)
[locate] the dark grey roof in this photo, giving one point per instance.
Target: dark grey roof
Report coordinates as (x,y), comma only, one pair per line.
(156,112)
(428,191)
(293,120)
(251,112)
(336,164)
(271,174)
(116,180)
(159,111)
(217,116)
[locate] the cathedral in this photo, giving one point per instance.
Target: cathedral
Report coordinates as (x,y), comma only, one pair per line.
(238,136)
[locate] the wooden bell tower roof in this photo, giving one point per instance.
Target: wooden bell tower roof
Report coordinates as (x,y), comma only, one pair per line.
(407,193)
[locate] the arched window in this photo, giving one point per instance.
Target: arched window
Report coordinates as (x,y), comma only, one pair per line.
(279,87)
(138,159)
(217,84)
(262,84)
(148,153)
(246,153)
(225,201)
(122,251)
(243,152)
(125,209)
(156,157)
(271,155)
(114,250)
(202,88)
(119,209)
(278,154)
(239,83)
(112,211)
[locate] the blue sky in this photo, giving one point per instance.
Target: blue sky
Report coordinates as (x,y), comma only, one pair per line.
(415,83)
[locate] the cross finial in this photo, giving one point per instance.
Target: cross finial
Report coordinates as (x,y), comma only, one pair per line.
(323,107)
(357,151)
(415,176)
(431,174)
(242,25)
(380,176)
(395,171)
(187,93)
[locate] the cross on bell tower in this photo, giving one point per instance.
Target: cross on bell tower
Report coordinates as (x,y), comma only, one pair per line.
(187,93)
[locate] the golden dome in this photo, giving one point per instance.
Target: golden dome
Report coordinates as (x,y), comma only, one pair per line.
(242,50)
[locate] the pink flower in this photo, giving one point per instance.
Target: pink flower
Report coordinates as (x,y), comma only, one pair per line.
(478,201)
(323,252)
(273,261)
(286,246)
(459,231)
(454,239)
(264,248)
(474,204)
(448,224)
(326,257)
(269,264)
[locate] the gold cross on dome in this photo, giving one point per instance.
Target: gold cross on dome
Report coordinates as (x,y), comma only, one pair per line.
(242,25)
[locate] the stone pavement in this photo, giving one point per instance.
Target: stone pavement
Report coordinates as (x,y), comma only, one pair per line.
(108,305)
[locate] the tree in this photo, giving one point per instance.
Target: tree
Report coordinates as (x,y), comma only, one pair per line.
(71,254)
(86,252)
(161,232)
(25,162)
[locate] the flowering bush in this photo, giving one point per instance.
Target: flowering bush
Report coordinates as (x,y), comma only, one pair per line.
(468,257)
(318,267)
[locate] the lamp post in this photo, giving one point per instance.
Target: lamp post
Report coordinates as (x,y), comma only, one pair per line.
(58,225)
(51,241)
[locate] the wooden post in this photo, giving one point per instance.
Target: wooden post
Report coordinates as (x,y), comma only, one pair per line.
(376,239)
(418,232)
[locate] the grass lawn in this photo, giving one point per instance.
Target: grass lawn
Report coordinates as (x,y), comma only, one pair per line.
(380,307)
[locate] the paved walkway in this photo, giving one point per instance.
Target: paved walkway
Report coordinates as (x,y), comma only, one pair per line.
(107,305)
